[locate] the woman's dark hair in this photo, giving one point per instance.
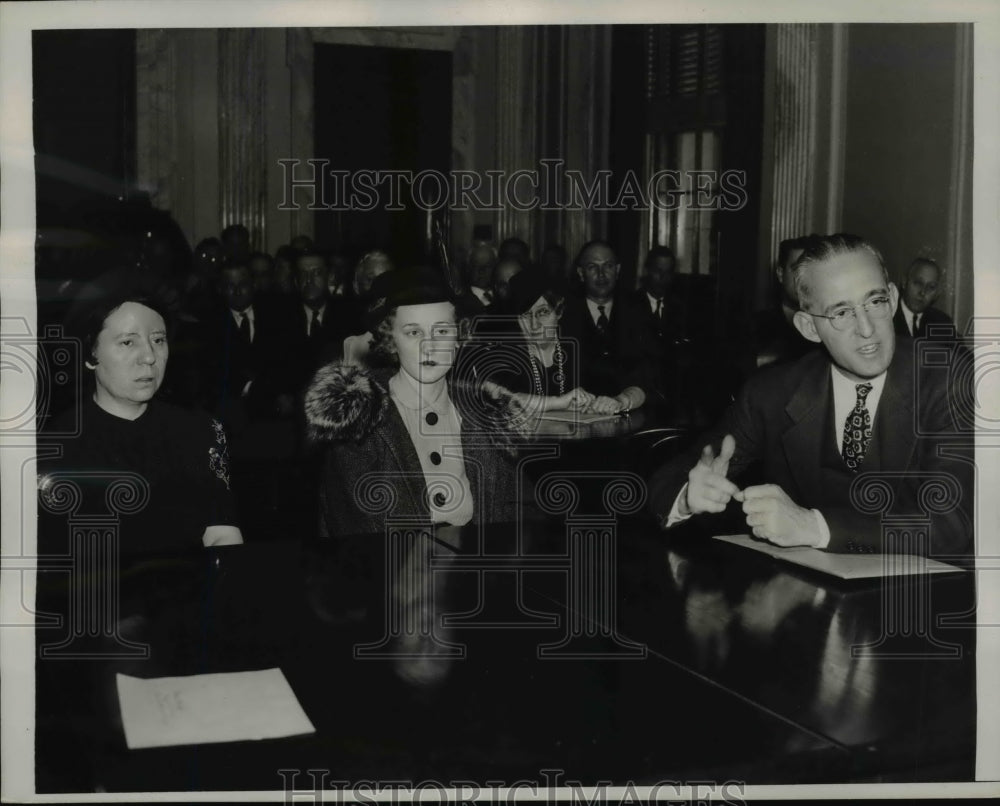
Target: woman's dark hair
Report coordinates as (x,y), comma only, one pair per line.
(93,308)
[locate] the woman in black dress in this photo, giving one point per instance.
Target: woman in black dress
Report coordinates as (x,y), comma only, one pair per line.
(162,471)
(539,365)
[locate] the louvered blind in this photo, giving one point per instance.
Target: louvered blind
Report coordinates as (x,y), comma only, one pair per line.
(684,61)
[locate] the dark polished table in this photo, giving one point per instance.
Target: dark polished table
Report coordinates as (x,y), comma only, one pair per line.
(598,647)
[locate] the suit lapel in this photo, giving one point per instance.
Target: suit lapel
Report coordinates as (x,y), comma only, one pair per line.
(807,409)
(893,431)
(899,322)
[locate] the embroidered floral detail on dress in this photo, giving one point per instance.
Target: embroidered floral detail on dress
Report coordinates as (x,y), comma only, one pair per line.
(45,484)
(218,454)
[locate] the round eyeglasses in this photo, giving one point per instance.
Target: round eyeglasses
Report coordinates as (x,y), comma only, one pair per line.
(846,316)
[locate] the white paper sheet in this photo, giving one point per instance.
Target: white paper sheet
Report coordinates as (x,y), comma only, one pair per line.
(845,566)
(205,708)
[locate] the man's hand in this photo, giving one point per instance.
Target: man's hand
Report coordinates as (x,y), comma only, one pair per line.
(773,516)
(708,489)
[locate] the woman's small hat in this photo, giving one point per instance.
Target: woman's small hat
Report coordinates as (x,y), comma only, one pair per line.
(526,287)
(419,285)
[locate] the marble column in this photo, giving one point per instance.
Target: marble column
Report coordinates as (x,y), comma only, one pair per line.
(517,98)
(794,138)
(242,142)
(156,115)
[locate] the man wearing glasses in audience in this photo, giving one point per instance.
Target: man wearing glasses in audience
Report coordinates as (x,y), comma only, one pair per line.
(812,426)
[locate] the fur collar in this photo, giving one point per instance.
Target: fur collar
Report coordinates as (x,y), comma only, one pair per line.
(346,404)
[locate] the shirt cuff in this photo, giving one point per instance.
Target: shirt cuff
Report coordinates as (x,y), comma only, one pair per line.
(246,389)
(675,516)
(824,530)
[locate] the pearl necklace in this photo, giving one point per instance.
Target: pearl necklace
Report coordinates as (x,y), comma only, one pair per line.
(559,359)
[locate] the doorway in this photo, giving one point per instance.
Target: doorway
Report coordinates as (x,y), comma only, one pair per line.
(381,109)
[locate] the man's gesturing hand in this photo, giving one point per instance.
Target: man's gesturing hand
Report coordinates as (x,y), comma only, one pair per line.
(772,515)
(708,489)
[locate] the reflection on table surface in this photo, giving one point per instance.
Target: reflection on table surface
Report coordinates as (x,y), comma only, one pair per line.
(610,652)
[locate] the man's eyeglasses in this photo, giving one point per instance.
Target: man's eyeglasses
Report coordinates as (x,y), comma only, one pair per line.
(846,316)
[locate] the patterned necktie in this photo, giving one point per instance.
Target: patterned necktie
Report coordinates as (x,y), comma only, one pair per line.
(314,325)
(857,430)
(659,308)
(916,323)
(602,320)
(245,327)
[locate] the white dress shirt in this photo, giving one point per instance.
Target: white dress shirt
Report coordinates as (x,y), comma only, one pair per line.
(596,314)
(238,319)
(309,315)
(908,316)
(845,398)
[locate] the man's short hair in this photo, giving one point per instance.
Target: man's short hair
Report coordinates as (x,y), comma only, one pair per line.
(305,253)
(656,253)
(822,248)
(923,261)
(591,245)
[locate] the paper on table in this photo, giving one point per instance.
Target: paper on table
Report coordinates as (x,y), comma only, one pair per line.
(205,708)
(845,566)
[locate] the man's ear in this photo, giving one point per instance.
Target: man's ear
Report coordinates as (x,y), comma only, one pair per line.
(894,296)
(90,364)
(579,273)
(806,325)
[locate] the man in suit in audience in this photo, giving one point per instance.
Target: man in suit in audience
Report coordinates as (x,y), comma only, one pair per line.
(479,272)
(811,426)
(319,322)
(244,362)
(649,327)
(920,288)
(597,321)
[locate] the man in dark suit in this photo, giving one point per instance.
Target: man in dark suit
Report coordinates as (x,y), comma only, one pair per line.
(649,326)
(318,323)
(246,353)
(813,425)
(595,319)
(916,313)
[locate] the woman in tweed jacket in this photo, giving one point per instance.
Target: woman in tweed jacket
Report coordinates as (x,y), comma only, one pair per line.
(409,445)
